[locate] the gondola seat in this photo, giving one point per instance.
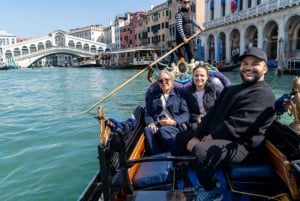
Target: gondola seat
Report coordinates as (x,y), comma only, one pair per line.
(154,173)
(255,170)
(253,179)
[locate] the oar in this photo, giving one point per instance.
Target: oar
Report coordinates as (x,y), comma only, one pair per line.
(138,74)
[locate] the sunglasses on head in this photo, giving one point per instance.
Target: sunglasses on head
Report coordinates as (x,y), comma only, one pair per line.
(163,80)
(185,2)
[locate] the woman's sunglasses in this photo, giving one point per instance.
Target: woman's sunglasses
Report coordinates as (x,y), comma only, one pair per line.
(161,81)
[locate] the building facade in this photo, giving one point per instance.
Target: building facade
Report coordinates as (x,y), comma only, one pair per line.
(6,39)
(110,37)
(233,26)
(120,21)
(92,32)
(158,26)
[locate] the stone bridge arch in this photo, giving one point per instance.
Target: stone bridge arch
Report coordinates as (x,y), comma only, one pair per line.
(27,60)
(57,42)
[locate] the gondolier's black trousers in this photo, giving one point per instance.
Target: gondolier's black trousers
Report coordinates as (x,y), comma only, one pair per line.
(187,48)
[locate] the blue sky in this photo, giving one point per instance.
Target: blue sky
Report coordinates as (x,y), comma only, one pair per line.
(34,18)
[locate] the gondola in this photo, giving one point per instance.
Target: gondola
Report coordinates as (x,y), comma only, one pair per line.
(3,66)
(126,173)
(229,67)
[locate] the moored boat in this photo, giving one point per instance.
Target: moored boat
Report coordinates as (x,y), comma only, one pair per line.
(86,62)
(3,66)
(130,58)
(229,67)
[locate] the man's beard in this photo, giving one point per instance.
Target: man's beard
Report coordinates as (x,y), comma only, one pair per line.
(252,81)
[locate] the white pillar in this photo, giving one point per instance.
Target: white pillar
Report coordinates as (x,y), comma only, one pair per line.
(228,46)
(242,41)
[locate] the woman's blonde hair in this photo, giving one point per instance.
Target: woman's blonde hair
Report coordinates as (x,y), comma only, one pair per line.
(166,72)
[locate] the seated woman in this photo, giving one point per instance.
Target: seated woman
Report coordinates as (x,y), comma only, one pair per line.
(201,95)
(166,114)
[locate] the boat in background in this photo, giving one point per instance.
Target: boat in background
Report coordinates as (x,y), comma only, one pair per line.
(229,67)
(232,66)
(272,64)
(131,58)
(85,62)
(3,65)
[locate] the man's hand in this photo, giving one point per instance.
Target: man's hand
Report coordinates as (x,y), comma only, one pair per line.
(207,138)
(185,40)
(200,28)
(190,145)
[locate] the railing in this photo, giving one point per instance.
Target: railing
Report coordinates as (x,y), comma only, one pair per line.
(52,50)
(294,63)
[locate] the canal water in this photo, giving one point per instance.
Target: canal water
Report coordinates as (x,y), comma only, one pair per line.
(48,145)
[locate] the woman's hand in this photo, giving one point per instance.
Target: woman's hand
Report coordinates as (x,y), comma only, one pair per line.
(167,121)
(153,127)
(199,118)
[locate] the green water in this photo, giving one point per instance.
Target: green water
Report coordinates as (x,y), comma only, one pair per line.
(48,145)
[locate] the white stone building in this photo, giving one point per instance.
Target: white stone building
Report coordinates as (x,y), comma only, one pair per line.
(92,32)
(234,25)
(6,39)
(120,21)
(110,36)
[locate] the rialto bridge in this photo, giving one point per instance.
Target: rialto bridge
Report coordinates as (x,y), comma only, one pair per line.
(58,42)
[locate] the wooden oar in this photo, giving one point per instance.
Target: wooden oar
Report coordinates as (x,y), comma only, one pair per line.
(138,74)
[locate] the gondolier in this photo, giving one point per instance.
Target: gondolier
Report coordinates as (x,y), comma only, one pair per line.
(184,25)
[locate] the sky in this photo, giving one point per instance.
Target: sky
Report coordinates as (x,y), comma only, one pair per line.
(35,18)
